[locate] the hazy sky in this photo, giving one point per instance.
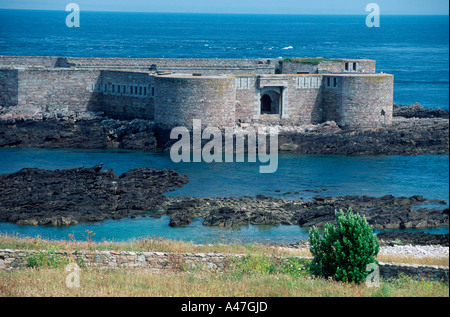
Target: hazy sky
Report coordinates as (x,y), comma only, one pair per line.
(440,7)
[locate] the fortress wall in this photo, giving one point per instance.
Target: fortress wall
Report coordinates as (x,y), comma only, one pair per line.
(331,100)
(205,66)
(132,96)
(28,61)
(171,62)
(9,87)
(247,99)
(179,100)
(367,66)
(338,66)
(331,67)
(304,100)
(367,101)
(59,89)
(294,68)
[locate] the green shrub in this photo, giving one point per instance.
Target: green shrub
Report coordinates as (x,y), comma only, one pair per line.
(345,250)
(47,260)
(259,264)
(295,267)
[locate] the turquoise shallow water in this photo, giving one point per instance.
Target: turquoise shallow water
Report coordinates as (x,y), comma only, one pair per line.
(426,175)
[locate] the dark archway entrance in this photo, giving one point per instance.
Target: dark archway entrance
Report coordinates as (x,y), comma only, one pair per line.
(266,104)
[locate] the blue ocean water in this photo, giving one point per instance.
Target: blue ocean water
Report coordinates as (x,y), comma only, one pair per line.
(413,48)
(426,175)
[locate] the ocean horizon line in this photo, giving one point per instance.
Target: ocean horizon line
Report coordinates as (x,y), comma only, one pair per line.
(229,13)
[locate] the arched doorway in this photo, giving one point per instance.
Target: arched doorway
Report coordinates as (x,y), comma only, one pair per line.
(266,104)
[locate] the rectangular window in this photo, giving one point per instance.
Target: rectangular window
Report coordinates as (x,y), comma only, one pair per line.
(354,66)
(135,90)
(328,82)
(145,91)
(346,67)
(334,82)
(118,89)
(153,91)
(140,91)
(113,89)
(105,88)
(131,90)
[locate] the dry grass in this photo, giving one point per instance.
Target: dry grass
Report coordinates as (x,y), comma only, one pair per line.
(248,279)
(440,261)
(127,282)
(149,244)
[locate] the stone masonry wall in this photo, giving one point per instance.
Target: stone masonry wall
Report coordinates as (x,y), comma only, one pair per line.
(127,95)
(206,66)
(302,102)
(179,100)
(367,100)
(9,88)
(295,68)
(332,99)
(64,88)
(28,61)
(160,261)
(247,99)
(338,66)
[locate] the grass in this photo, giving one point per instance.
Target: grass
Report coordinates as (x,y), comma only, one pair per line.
(259,273)
(148,244)
(441,261)
(130,283)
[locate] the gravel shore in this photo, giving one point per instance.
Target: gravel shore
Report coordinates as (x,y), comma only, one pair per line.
(417,251)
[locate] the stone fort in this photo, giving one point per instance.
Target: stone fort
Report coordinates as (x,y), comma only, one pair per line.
(220,92)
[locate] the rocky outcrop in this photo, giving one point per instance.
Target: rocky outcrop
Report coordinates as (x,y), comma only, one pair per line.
(403,137)
(413,238)
(34,196)
(417,111)
(386,212)
(86,132)
(414,131)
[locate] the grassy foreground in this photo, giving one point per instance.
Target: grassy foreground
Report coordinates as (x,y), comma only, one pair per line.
(254,275)
(126,282)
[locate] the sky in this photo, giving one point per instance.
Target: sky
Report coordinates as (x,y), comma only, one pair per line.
(404,7)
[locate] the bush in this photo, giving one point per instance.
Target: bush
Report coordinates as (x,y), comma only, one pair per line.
(47,260)
(345,250)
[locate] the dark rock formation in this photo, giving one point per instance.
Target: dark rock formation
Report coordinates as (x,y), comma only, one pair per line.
(413,238)
(34,196)
(88,133)
(417,111)
(403,137)
(386,212)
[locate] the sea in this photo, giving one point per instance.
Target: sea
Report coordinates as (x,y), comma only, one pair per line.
(415,49)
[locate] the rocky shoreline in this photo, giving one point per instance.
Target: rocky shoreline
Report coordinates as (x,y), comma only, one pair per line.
(415,131)
(386,212)
(34,196)
(83,133)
